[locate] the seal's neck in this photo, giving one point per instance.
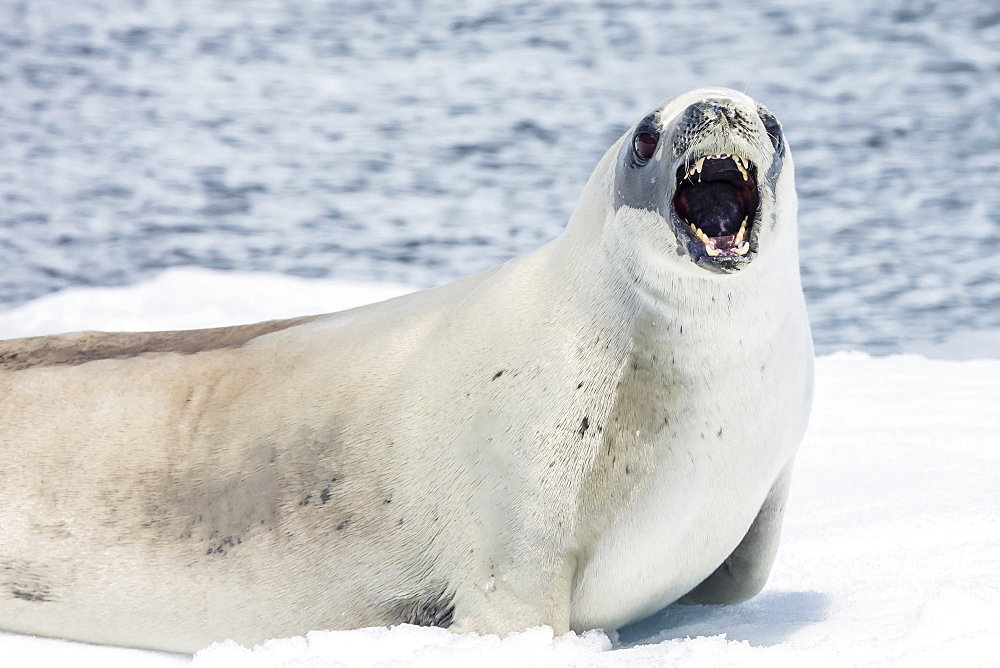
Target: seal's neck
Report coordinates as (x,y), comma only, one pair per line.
(632,277)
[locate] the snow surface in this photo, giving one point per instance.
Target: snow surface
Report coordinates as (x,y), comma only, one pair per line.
(189,298)
(890,553)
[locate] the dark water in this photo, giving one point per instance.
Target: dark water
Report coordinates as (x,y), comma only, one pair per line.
(423,141)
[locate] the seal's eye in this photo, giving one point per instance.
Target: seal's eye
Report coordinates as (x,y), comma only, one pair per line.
(644,144)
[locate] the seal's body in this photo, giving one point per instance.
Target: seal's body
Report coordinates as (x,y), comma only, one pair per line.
(575,438)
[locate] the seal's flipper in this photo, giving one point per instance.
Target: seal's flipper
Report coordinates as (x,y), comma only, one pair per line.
(744,572)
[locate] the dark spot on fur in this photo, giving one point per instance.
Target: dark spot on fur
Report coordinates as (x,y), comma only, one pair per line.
(225,544)
(40,595)
(584,426)
(498,374)
(400,523)
(324,496)
(305,501)
(720,432)
(343,525)
(388,500)
(579,386)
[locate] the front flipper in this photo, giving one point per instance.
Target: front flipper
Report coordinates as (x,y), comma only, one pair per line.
(517,600)
(744,572)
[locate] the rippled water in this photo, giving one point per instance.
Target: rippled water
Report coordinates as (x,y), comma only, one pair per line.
(423,141)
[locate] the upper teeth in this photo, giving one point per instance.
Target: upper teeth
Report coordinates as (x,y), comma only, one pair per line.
(739,166)
(741,163)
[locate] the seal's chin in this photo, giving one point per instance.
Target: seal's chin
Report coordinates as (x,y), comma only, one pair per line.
(716,200)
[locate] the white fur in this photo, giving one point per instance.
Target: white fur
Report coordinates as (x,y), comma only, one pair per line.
(432,442)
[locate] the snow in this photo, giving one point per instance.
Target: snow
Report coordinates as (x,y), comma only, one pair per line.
(890,553)
(189,298)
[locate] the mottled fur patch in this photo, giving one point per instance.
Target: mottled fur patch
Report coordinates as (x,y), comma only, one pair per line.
(22,581)
(218,504)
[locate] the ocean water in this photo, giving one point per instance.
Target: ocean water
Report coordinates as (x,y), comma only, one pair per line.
(418,142)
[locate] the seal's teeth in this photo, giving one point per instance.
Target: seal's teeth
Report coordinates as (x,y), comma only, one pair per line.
(701,235)
(743,248)
(743,171)
(713,251)
(699,165)
(742,232)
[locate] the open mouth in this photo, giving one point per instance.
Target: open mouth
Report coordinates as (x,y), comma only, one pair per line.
(717,199)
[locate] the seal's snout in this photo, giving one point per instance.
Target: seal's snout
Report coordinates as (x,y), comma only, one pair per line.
(717,191)
(714,117)
(713,110)
(727,153)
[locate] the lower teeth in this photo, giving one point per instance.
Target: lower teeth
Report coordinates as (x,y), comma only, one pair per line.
(742,248)
(740,245)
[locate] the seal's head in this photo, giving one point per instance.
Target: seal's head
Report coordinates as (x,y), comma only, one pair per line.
(709,166)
